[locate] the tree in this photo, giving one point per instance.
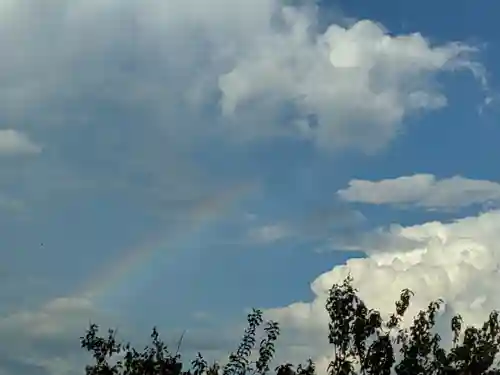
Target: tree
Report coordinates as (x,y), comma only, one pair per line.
(363,343)
(156,359)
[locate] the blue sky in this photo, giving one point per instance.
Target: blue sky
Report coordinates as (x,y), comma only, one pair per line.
(248,154)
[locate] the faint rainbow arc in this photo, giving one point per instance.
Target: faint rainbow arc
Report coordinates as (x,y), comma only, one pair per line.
(206,212)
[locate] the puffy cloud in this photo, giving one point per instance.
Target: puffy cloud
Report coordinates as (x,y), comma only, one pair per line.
(423,190)
(358,83)
(13,142)
(346,86)
(457,261)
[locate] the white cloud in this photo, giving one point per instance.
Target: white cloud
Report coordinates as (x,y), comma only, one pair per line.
(360,81)
(13,142)
(423,190)
(456,261)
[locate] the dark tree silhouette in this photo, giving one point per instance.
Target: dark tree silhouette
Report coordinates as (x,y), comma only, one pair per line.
(362,342)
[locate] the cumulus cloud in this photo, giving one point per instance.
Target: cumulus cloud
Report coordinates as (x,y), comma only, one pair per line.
(260,57)
(13,142)
(350,79)
(423,190)
(457,261)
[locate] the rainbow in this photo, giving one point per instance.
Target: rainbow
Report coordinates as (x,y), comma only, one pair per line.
(205,212)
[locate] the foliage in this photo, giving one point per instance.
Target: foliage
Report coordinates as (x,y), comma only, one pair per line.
(157,360)
(362,342)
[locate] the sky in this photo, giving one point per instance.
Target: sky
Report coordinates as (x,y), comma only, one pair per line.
(177,162)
